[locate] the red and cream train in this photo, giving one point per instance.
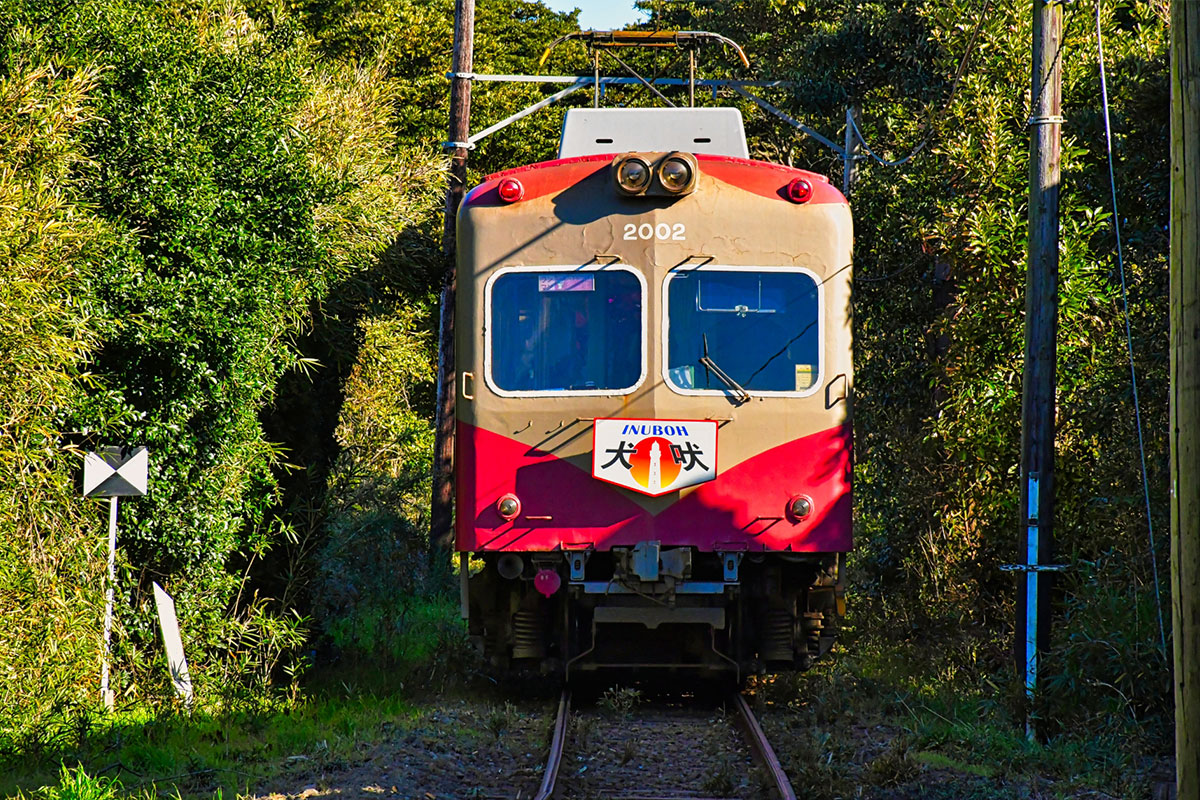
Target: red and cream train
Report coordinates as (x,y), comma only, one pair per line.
(653,420)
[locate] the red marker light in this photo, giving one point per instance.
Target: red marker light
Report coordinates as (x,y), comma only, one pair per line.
(510,190)
(799,191)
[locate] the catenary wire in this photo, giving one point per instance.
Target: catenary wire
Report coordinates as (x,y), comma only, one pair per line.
(958,223)
(1137,411)
(929,123)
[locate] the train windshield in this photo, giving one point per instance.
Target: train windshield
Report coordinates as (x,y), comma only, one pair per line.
(566,331)
(760,327)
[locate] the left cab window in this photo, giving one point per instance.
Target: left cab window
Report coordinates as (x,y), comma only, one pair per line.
(578,331)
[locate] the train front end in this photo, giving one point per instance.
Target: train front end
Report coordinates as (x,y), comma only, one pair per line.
(653,419)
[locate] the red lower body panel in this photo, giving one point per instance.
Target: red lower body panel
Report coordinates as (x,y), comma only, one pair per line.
(744,508)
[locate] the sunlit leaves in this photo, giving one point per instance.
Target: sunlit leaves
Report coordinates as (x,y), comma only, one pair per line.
(49,577)
(187,186)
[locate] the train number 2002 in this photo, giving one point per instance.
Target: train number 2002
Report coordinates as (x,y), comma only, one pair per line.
(662,231)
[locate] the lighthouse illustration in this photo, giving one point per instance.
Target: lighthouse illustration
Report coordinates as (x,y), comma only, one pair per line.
(654,457)
(655,467)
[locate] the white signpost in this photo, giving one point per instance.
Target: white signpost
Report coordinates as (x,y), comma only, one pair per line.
(176,663)
(113,472)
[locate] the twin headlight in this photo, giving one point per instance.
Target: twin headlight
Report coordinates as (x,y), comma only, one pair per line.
(672,174)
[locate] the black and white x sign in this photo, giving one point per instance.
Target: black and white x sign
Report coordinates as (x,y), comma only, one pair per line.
(115,472)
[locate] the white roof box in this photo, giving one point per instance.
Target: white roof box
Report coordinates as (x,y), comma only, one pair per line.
(593,131)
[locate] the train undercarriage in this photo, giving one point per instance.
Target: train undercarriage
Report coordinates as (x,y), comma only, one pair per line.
(654,610)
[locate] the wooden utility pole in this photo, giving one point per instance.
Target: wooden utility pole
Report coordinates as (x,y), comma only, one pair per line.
(1185,390)
(1041,322)
(441,532)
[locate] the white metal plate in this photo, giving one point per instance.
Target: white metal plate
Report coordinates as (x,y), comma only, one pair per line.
(654,456)
(595,131)
(176,663)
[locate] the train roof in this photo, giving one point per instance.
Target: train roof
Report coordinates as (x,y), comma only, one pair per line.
(595,131)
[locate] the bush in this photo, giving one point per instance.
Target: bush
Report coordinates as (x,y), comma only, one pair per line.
(182,188)
(373,564)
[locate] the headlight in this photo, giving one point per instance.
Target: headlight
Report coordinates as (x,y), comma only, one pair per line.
(508,506)
(670,174)
(675,174)
(800,507)
(633,175)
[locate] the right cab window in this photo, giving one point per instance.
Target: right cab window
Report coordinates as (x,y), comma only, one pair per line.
(758,325)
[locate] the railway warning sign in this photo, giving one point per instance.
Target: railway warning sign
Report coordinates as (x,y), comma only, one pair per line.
(654,456)
(115,472)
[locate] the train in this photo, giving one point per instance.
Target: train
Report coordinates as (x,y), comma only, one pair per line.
(653,433)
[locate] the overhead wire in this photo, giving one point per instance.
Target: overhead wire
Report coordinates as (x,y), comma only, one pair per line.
(929,122)
(1034,100)
(1137,410)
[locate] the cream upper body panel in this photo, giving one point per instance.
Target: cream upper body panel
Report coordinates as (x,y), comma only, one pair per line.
(588,226)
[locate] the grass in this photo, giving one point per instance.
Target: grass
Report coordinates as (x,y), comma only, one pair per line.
(137,755)
(345,709)
(939,761)
(412,632)
(76,784)
(880,718)
(892,719)
(620,701)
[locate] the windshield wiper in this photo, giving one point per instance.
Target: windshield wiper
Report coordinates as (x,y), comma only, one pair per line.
(722,376)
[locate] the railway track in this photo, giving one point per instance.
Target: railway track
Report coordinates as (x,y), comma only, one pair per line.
(688,723)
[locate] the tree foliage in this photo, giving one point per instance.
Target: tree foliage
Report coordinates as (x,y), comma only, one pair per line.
(414,39)
(49,572)
(360,429)
(939,313)
(220,228)
(187,187)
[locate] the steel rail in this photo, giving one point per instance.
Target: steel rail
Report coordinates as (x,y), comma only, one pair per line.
(763,752)
(557,742)
(761,749)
